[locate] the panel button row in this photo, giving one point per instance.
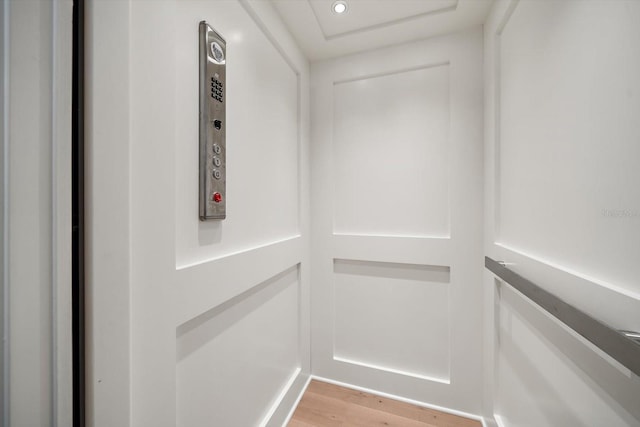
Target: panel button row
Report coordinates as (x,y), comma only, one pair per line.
(216,85)
(216,89)
(216,161)
(216,82)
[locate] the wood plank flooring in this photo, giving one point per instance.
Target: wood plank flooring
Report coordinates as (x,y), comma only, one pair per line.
(326,404)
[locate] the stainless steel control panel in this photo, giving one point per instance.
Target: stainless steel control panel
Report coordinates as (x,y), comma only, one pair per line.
(213,147)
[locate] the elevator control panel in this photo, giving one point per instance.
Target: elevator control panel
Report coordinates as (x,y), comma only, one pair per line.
(213,147)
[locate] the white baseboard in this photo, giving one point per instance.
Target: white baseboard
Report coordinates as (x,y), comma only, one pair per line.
(284,406)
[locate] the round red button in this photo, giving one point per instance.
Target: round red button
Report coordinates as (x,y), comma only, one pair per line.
(217,197)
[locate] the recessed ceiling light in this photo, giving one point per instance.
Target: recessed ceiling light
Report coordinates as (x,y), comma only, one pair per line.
(339,6)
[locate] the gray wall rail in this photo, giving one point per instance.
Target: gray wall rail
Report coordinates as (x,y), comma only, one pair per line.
(615,343)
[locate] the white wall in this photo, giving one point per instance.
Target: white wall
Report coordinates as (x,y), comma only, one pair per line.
(209,321)
(397,218)
(562,205)
(195,322)
(36,213)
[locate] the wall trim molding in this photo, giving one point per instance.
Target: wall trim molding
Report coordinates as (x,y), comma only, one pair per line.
(497,105)
(285,405)
(391,370)
(392,72)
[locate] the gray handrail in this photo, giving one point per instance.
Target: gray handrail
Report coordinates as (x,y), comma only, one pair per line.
(620,345)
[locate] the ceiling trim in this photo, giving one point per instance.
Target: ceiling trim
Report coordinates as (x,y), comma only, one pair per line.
(391,73)
(391,23)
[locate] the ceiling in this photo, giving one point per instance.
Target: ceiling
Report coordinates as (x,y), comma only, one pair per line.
(369,24)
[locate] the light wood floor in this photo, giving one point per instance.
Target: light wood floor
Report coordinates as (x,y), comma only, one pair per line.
(330,405)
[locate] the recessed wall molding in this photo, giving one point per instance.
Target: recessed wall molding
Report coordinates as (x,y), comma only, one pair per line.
(232,310)
(208,285)
(240,252)
(405,250)
(393,317)
(262,322)
(391,370)
(389,72)
(391,168)
(497,114)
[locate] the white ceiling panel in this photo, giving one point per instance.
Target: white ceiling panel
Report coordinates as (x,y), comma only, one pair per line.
(368,15)
(370,24)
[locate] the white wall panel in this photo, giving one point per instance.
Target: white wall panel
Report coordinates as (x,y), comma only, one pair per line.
(560,162)
(548,376)
(393,317)
(263,108)
(202,291)
(396,190)
(249,343)
(390,148)
(569,132)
